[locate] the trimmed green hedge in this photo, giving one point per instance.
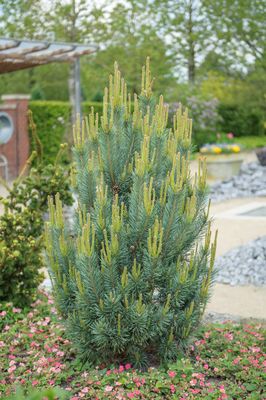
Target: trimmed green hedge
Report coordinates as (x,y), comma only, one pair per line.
(53,123)
(240,120)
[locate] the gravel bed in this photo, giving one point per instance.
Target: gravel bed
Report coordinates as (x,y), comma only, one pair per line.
(251,181)
(243,265)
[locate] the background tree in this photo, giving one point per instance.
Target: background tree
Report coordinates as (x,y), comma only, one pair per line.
(239,26)
(130,36)
(184,24)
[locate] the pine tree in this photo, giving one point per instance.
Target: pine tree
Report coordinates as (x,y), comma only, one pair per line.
(132,279)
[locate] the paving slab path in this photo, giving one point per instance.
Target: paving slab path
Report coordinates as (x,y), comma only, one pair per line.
(235,230)
(238,301)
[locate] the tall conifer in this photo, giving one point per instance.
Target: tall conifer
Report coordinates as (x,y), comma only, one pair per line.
(132,280)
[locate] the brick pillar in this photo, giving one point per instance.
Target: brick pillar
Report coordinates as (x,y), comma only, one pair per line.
(17,149)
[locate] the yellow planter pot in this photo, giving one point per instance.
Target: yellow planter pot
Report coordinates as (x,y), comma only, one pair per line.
(223,166)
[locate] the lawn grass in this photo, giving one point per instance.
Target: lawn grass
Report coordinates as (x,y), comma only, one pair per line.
(251,142)
(224,361)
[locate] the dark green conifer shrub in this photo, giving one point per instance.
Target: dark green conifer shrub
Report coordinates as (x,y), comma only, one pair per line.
(134,279)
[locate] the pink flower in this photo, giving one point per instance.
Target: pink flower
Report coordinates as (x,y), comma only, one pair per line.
(34,383)
(172,374)
(74,398)
(34,344)
(172,388)
(6,328)
(51,382)
(3,313)
(222,389)
(86,390)
(12,369)
(195,391)
(108,388)
(12,362)
(121,368)
(16,310)
(127,366)
(255,349)
(224,396)
(2,344)
(193,382)
(229,336)
(206,366)
(108,372)
(215,369)
(230,135)
(131,395)
(236,360)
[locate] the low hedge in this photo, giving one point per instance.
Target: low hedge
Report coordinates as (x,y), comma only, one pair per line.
(53,123)
(52,119)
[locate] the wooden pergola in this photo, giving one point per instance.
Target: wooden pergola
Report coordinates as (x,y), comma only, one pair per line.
(17,54)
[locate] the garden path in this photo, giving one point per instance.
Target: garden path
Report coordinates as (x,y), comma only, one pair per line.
(235,230)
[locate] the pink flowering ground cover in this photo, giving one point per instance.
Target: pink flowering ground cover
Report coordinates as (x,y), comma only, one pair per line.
(226,361)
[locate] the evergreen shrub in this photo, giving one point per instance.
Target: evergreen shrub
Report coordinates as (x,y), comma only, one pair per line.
(132,280)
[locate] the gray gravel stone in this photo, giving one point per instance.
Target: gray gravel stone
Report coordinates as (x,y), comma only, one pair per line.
(251,181)
(244,265)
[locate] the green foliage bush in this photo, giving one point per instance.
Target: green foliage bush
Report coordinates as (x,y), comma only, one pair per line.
(52,119)
(132,280)
(241,120)
(20,255)
(21,228)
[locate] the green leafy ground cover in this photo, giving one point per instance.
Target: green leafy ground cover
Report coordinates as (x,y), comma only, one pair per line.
(225,361)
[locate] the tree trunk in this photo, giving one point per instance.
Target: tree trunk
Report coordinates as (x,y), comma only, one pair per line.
(191,46)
